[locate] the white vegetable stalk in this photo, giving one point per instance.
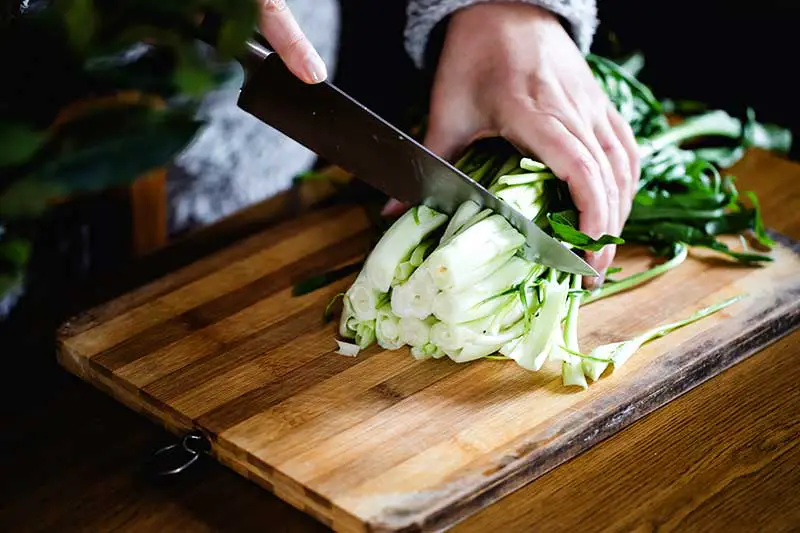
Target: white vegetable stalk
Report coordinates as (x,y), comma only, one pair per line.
(347,348)
(479,300)
(387,329)
(398,243)
(414,298)
(406,268)
(471,352)
(364,298)
(531,165)
(347,322)
(455,264)
(450,337)
(572,367)
(618,353)
(463,214)
(525,179)
(416,332)
(527,199)
(427,351)
(533,350)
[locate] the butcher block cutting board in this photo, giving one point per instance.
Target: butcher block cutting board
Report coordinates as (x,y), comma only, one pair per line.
(382,442)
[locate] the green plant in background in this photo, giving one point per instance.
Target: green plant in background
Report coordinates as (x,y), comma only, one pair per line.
(96,93)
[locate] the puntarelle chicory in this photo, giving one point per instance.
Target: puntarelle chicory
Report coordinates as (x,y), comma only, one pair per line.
(458,286)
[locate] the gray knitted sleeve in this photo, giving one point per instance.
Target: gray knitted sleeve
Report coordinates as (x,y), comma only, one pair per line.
(580,17)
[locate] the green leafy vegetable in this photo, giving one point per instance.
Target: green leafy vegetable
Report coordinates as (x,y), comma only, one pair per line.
(679,256)
(321,280)
(618,353)
(564,228)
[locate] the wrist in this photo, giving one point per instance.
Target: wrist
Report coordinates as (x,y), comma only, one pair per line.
(518,11)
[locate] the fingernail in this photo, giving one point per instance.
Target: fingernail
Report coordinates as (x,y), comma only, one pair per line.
(392,207)
(315,69)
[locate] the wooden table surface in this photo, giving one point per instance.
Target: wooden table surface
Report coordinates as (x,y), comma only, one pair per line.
(723,457)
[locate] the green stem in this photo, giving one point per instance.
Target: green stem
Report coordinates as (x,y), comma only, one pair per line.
(713,123)
(638,279)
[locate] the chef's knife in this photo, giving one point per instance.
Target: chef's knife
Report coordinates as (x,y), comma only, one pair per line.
(335,126)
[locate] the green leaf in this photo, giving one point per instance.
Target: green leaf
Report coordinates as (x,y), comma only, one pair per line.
(758,223)
(28,198)
(238,27)
(80,21)
(730,223)
(327,314)
(18,143)
(675,232)
(722,156)
(114,146)
(766,136)
(15,251)
(191,76)
(564,229)
(321,280)
(9,282)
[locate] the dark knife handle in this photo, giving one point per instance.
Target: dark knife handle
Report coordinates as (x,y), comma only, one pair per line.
(257,48)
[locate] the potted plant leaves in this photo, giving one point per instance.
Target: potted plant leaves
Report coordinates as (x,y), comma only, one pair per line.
(95,94)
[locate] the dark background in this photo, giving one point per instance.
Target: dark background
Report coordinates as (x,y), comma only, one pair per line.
(709,50)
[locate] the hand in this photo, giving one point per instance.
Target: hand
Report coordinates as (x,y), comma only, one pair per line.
(512,70)
(279,27)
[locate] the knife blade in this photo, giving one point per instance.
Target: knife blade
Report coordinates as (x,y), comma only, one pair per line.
(335,126)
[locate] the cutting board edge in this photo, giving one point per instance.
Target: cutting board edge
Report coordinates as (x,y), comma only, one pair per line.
(462,505)
(91,374)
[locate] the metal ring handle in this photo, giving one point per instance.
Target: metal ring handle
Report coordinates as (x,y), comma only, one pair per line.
(193,444)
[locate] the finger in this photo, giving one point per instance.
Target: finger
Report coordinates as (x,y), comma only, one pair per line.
(447,137)
(571,161)
(443,143)
(602,259)
(624,133)
(284,34)
(620,168)
(579,106)
(394,208)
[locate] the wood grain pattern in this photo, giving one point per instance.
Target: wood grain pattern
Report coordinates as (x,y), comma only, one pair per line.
(148,197)
(382,442)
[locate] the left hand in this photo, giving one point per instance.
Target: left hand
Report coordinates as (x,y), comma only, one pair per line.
(512,70)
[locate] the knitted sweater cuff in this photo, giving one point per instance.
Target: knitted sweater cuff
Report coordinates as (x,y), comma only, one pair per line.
(579,16)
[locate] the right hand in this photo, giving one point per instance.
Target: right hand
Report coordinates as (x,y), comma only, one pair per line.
(279,27)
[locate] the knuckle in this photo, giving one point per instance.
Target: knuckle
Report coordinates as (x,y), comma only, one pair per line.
(584,168)
(295,43)
(612,191)
(274,6)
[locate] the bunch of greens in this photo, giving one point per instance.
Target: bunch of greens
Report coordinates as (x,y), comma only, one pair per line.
(95,94)
(683,197)
(461,288)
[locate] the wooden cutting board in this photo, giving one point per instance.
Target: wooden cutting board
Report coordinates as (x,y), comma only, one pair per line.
(382,442)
